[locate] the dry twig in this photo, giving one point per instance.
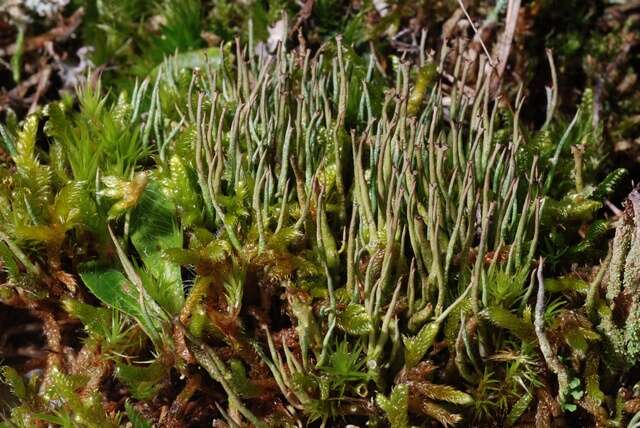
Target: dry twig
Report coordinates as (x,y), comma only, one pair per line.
(61,32)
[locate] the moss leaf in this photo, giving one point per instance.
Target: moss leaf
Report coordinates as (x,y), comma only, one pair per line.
(355,320)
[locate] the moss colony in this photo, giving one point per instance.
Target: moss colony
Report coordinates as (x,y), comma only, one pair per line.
(303,238)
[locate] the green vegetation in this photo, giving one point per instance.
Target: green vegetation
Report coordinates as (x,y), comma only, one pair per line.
(240,234)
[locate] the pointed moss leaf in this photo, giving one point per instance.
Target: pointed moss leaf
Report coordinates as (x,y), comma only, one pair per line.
(113,289)
(38,233)
(597,230)
(198,321)
(66,207)
(441,393)
(9,262)
(573,208)
(565,283)
(240,380)
(234,290)
(307,327)
(154,230)
(180,188)
(135,417)
(342,295)
(355,320)
(34,178)
(415,347)
(324,387)
(58,162)
(592,379)
(396,406)
(281,239)
(426,75)
(143,381)
(610,183)
(8,140)
(505,287)
(57,122)
(65,389)
(439,413)
(505,319)
(11,377)
(576,341)
(328,242)
(25,158)
(518,409)
(111,286)
(345,363)
(95,319)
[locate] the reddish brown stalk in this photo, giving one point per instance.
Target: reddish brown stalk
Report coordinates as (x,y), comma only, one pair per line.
(53,336)
(177,409)
(89,363)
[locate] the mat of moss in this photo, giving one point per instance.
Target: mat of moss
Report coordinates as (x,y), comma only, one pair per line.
(46,46)
(296,239)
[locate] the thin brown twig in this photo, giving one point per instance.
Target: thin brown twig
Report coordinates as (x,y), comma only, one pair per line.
(303,15)
(63,31)
(43,84)
(53,336)
(475,30)
(17,94)
(505,41)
